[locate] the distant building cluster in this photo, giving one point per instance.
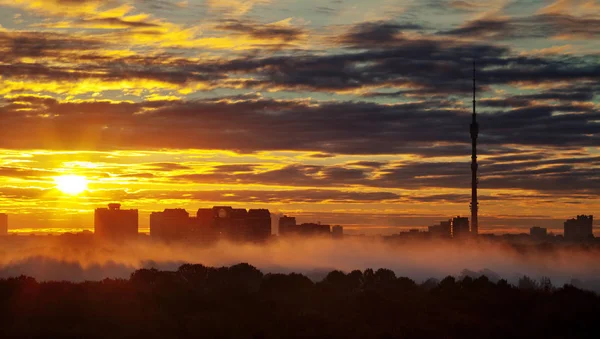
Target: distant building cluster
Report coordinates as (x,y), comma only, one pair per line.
(458,228)
(538,233)
(289,228)
(254,225)
(443,230)
(575,230)
(209,224)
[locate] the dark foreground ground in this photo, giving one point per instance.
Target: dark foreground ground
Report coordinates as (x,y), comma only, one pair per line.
(241,302)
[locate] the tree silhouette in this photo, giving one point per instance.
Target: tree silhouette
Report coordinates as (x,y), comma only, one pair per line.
(241,302)
(527,283)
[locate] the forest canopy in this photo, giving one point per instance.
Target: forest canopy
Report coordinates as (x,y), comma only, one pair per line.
(242,302)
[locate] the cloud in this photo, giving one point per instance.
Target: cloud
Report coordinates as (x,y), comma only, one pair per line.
(70,8)
(469,6)
(235,168)
(20,172)
(433,68)
(41,44)
(541,173)
(572,7)
(281,31)
(234,8)
(376,34)
(373,164)
(167,166)
(257,196)
(113,22)
(555,175)
(327,127)
(20,193)
(554,25)
(567,95)
(164,4)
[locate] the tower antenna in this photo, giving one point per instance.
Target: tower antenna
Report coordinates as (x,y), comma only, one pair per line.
(474,165)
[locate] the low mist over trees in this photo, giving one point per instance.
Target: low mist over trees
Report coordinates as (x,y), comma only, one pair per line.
(242,302)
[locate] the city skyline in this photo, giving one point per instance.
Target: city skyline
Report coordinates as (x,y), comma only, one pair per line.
(164,104)
(208,225)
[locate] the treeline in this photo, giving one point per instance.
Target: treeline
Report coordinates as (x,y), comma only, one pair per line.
(242,302)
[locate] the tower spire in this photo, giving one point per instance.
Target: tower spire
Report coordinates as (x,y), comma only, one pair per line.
(474,165)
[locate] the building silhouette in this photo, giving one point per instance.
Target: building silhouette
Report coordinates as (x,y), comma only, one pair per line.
(258,225)
(314,230)
(237,228)
(289,228)
(580,228)
(229,223)
(287,225)
(114,223)
(460,228)
(538,232)
(3,224)
(337,232)
(211,224)
(171,225)
(443,230)
(204,227)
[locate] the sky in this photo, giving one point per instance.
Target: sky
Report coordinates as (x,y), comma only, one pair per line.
(347,112)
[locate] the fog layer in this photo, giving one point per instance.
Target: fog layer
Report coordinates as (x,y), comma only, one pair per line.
(83,258)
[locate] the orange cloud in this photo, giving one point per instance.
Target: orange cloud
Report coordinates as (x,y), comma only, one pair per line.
(554,50)
(572,7)
(69,8)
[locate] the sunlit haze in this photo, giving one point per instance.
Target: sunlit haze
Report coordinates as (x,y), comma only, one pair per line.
(71,184)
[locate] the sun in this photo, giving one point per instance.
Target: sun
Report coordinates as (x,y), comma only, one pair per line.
(71,184)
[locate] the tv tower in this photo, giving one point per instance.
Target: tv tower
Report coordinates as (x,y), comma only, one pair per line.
(474,165)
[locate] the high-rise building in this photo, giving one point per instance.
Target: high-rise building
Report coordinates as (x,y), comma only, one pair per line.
(205,217)
(314,230)
(230,222)
(443,230)
(3,224)
(337,232)
(287,226)
(204,225)
(239,224)
(258,224)
(171,225)
(460,228)
(211,224)
(538,233)
(237,229)
(114,223)
(579,229)
(223,221)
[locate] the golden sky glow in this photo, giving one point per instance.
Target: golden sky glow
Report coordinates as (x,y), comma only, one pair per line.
(349,112)
(71,184)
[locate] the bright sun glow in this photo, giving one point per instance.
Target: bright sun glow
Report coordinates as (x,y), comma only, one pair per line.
(71,184)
